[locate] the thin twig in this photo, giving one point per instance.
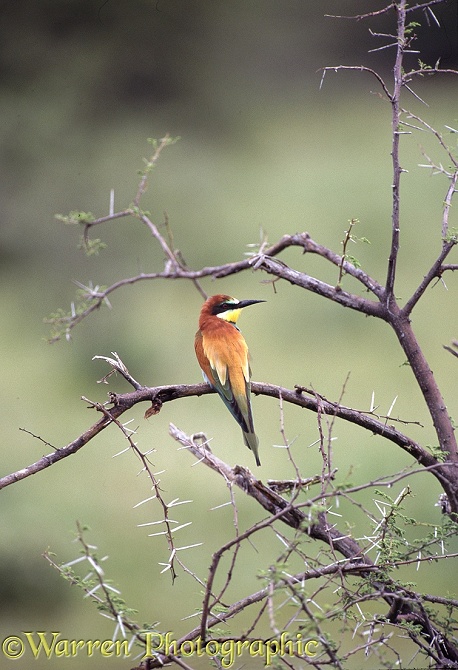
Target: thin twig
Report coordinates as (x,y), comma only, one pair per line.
(397,170)
(360,68)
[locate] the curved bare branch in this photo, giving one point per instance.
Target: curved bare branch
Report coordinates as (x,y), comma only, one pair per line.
(157,396)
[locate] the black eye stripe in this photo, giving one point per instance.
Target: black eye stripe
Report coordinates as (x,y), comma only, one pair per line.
(223,307)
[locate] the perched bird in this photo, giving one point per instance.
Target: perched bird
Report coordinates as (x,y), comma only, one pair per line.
(223,356)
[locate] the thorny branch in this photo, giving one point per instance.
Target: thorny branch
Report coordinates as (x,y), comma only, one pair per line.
(317,528)
(147,467)
(385,10)
(159,395)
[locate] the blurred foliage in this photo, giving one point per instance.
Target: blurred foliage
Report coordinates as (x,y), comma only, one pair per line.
(83,84)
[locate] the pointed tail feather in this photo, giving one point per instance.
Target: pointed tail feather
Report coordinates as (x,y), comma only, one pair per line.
(252,442)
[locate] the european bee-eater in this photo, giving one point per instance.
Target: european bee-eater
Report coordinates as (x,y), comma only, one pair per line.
(223,356)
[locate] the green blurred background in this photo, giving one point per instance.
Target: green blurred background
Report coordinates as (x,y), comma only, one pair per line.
(263,151)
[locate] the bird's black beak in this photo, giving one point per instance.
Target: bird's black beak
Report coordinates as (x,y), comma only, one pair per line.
(245,303)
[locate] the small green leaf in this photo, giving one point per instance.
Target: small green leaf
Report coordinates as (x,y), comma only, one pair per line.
(91,247)
(451,235)
(354,261)
(76,218)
